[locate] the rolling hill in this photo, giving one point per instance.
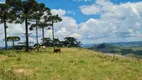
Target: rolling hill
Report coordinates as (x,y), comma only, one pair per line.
(106,48)
(70,64)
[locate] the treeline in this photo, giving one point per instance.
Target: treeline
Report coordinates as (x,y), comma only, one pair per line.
(67,42)
(131,51)
(108,48)
(48,42)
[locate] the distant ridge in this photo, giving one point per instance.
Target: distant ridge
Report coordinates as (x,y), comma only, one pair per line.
(4,47)
(128,44)
(105,48)
(123,44)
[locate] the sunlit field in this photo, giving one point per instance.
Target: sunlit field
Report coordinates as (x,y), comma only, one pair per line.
(70,64)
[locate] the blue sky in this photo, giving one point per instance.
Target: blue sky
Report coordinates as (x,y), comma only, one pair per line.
(74,6)
(71,6)
(2,1)
(90,21)
(82,17)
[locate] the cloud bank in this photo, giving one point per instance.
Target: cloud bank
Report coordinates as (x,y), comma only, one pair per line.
(118,22)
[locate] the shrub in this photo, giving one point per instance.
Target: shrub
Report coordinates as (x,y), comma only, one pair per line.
(126,51)
(138,52)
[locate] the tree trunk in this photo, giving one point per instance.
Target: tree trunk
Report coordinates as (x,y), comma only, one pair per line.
(43,35)
(37,37)
(5,33)
(53,35)
(13,44)
(27,35)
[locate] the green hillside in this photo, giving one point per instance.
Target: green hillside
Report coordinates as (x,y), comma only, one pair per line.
(106,48)
(70,64)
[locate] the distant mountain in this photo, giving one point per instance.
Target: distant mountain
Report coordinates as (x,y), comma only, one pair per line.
(9,47)
(105,48)
(87,45)
(128,44)
(1,47)
(118,44)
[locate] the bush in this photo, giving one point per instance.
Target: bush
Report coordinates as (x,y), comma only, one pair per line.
(126,51)
(138,52)
(3,52)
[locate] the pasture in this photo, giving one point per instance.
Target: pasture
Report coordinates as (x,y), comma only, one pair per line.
(70,64)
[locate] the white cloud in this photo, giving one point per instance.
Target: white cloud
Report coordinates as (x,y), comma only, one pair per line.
(15,29)
(121,22)
(82,0)
(71,12)
(88,10)
(60,12)
(96,8)
(68,27)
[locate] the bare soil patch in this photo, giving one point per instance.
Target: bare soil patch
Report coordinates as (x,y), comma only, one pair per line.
(22,71)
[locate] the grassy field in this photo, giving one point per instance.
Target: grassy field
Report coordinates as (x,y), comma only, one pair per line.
(70,64)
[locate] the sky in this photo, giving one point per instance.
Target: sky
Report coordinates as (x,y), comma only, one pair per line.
(90,21)
(2,1)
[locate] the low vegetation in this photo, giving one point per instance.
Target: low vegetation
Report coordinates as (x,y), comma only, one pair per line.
(70,64)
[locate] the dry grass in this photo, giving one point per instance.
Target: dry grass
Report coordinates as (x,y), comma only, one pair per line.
(24,72)
(2,57)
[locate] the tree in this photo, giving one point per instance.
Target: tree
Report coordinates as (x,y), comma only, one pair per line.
(126,51)
(54,19)
(79,43)
(22,43)
(13,39)
(24,13)
(43,25)
(70,42)
(6,15)
(57,42)
(36,45)
(40,9)
(62,44)
(47,42)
